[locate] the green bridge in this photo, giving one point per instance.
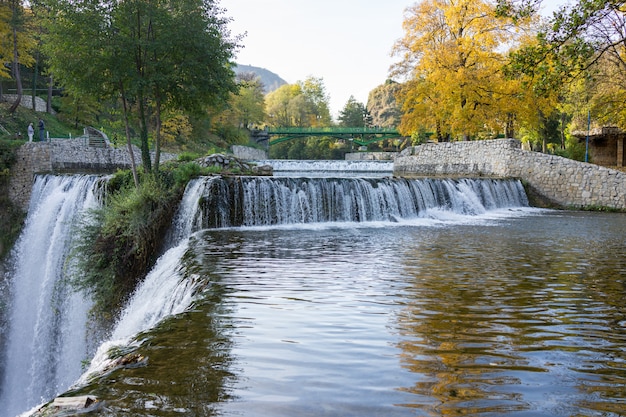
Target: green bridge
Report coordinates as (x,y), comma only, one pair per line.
(361,136)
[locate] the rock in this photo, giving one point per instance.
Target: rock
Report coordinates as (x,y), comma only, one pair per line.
(83,401)
(265,170)
(230,163)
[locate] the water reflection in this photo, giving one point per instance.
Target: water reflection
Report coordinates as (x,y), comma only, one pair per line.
(500,322)
(188,370)
(517,317)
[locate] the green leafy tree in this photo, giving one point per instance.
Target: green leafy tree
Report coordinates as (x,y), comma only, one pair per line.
(279,109)
(247,105)
(78,111)
(353,114)
(580,53)
(316,101)
(151,55)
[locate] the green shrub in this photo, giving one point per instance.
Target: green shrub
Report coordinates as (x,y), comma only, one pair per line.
(185,172)
(121,240)
(187,156)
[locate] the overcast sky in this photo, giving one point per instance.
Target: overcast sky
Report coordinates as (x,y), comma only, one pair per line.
(347,43)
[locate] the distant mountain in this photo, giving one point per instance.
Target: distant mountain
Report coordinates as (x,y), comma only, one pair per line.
(270,80)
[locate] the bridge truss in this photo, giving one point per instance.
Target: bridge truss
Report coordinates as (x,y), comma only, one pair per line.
(361,136)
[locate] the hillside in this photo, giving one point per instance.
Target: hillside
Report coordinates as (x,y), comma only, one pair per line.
(270,80)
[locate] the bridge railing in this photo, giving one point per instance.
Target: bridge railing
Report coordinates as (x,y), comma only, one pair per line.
(332,130)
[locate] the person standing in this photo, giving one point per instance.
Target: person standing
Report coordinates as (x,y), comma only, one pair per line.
(42,127)
(31,131)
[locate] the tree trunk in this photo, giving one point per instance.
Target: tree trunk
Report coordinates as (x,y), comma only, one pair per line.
(145,148)
(16,74)
(562,130)
(35,74)
(510,126)
(49,101)
(157,135)
(133,164)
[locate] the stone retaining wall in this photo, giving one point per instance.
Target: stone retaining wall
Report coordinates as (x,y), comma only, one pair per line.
(248,153)
(27,101)
(562,181)
(61,156)
(371,156)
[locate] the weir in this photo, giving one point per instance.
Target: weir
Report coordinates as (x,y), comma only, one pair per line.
(261,201)
(46,342)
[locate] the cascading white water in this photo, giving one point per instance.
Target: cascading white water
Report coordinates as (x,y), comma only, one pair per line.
(46,338)
(263,201)
(187,218)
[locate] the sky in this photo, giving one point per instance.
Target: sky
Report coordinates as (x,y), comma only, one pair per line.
(347,43)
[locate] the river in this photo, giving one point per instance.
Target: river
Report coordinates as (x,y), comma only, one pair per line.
(503,311)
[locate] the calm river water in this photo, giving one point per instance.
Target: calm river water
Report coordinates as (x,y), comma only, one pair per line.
(519,314)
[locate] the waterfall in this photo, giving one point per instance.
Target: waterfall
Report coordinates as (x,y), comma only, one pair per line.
(263,201)
(46,337)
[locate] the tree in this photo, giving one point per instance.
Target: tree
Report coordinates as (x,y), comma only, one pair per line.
(451,56)
(382,105)
(247,105)
(316,102)
(18,43)
(354,114)
(151,55)
(581,53)
(304,104)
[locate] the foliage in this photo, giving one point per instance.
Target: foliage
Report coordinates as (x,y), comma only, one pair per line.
(451,57)
(312,148)
(176,127)
(304,104)
(246,107)
(582,45)
(17,43)
(382,105)
(78,111)
(154,56)
(120,241)
(353,114)
(574,149)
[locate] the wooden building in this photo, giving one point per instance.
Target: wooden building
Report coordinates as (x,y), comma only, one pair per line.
(606,146)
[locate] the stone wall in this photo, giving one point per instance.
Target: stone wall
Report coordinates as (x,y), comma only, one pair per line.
(248,153)
(61,156)
(371,156)
(27,101)
(562,181)
(31,158)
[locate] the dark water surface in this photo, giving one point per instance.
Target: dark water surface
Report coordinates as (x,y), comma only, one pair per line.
(521,316)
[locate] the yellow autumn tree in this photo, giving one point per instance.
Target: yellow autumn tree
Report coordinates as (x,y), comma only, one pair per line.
(304,104)
(452,56)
